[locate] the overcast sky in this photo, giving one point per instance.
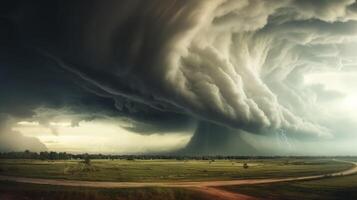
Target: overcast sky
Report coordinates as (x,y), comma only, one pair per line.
(276,77)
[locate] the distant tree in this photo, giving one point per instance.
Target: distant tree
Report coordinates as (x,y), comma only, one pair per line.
(245,166)
(53,155)
(87,160)
(44,155)
(63,156)
(26,154)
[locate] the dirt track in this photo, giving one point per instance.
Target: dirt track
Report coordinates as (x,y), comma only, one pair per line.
(207,187)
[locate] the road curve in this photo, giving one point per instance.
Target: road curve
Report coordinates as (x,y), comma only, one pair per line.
(202,186)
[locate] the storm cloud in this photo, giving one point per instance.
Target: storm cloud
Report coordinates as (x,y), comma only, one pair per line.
(165,64)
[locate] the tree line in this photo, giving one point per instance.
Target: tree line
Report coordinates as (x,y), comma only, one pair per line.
(52,155)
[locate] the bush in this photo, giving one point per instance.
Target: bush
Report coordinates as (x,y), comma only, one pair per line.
(245,166)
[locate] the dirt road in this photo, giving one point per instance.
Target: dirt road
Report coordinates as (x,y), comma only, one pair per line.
(207,187)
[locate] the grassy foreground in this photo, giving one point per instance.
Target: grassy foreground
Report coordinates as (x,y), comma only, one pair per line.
(168,170)
(22,191)
(328,188)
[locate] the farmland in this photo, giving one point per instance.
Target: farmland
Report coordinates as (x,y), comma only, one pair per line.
(171,179)
(168,170)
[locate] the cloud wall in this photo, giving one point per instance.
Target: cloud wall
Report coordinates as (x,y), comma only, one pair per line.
(229,62)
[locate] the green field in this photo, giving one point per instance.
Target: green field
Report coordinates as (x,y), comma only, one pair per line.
(329,188)
(168,170)
(177,170)
(22,191)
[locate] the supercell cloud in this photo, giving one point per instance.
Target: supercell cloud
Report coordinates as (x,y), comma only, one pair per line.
(239,64)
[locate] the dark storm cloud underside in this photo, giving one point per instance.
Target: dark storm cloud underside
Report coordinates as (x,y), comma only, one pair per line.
(28,74)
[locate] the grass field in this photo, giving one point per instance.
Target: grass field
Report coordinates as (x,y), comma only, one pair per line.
(324,189)
(22,191)
(168,170)
(176,170)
